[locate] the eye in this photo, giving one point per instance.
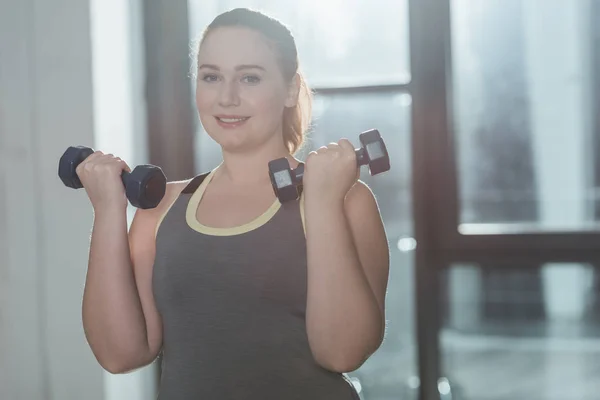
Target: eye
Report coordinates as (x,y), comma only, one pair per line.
(210,78)
(251,79)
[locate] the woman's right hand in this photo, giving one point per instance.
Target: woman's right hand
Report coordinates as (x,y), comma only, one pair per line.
(100,175)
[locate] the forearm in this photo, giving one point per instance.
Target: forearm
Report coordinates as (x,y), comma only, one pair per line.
(112,313)
(344,321)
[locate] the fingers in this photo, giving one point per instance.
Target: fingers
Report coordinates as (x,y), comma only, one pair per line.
(342,147)
(84,165)
(110,159)
(98,161)
(346,145)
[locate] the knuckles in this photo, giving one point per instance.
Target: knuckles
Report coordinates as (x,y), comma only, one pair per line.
(96,163)
(338,153)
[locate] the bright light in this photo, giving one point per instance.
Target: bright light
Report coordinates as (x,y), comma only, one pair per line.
(407,244)
(444,386)
(414,382)
(335,20)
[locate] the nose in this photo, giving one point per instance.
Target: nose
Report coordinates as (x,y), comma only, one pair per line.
(229,94)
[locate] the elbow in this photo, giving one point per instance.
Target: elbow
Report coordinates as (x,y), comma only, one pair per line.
(115,368)
(123,367)
(343,363)
(345,360)
(114,365)
(124,364)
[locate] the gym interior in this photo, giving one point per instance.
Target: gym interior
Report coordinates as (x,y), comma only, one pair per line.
(491,115)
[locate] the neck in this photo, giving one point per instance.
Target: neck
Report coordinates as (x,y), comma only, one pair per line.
(251,167)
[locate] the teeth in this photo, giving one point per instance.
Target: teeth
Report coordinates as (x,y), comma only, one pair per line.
(232,120)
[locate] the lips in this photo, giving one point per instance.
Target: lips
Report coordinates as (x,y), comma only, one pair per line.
(231,121)
(231,118)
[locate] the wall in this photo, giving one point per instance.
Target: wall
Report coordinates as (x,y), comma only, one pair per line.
(57,90)
(46,105)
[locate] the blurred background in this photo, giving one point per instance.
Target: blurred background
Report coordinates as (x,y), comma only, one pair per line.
(490,110)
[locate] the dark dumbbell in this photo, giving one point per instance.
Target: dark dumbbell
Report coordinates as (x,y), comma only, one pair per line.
(373,153)
(145,186)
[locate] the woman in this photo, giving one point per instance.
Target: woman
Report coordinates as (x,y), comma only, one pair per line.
(247,298)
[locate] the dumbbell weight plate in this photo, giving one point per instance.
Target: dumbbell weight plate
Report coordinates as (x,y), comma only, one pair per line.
(145,186)
(376,152)
(282,180)
(68,163)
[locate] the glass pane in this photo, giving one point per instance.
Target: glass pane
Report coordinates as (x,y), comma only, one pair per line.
(528,332)
(524,114)
(340,42)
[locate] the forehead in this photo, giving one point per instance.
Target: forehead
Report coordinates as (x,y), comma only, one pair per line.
(230,46)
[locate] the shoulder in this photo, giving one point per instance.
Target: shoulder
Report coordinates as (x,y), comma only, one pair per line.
(360,197)
(152,216)
(174,189)
(145,223)
(362,211)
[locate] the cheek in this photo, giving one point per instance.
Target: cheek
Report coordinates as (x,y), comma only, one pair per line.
(205,100)
(266,103)
(263,102)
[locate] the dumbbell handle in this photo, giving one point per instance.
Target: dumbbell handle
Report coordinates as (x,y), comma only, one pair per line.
(361,159)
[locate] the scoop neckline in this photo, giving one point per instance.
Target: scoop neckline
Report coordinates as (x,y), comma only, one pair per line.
(194,203)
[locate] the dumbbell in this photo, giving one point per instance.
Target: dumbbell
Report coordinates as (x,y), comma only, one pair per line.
(145,186)
(372,153)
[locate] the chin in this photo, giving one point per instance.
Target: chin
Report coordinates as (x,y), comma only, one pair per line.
(229,140)
(238,140)
(238,144)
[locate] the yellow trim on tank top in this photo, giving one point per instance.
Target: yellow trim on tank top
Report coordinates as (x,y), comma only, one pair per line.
(194,202)
(167,209)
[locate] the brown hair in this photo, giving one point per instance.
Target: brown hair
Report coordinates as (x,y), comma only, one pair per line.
(296,120)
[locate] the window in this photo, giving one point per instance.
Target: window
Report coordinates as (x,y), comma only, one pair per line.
(523,78)
(340,43)
(526,133)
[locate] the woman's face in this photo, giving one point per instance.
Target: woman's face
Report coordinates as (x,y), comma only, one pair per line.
(240,90)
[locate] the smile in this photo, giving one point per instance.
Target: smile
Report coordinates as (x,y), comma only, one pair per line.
(230,121)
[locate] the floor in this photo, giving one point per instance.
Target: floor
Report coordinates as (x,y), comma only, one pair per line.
(491,367)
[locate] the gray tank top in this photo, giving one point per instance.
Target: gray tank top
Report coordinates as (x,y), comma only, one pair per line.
(233,302)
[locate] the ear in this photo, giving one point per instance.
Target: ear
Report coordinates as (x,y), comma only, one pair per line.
(293,91)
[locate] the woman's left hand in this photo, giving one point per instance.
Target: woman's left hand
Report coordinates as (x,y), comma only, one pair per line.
(330,171)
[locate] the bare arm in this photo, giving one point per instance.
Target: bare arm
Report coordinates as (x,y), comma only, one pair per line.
(348,261)
(120,319)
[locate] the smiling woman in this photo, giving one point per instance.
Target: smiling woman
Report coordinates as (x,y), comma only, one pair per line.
(246,296)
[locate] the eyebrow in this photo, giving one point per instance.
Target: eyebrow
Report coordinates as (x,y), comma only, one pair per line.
(237,68)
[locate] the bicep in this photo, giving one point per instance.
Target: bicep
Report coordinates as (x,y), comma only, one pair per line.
(142,249)
(142,244)
(370,239)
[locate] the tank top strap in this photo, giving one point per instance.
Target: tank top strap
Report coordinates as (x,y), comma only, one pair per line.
(189,189)
(195,183)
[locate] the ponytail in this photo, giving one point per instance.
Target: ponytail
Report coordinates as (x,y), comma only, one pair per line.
(296,120)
